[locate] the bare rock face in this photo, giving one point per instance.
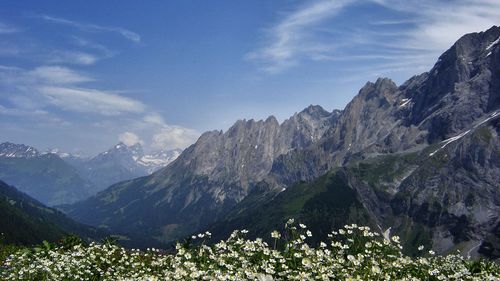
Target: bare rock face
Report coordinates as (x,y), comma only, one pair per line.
(208,178)
(455,192)
(421,155)
(462,87)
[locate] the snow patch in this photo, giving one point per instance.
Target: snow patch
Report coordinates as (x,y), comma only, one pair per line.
(450,140)
(493,115)
(493,43)
(405,102)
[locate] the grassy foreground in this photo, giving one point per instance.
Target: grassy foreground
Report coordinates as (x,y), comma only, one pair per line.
(352,253)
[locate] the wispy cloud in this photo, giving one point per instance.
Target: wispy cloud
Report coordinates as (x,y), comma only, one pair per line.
(64,88)
(33,114)
(72,57)
(292,39)
(57,75)
(395,22)
(88,44)
(169,136)
(87,27)
(43,92)
(53,92)
(440,23)
(90,100)
(6,29)
(173,137)
(424,29)
(130,138)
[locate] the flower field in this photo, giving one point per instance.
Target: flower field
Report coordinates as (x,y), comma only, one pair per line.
(352,253)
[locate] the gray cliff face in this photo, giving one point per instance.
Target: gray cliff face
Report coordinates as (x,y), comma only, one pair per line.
(444,196)
(208,178)
(422,157)
(456,191)
(449,199)
(245,153)
(462,87)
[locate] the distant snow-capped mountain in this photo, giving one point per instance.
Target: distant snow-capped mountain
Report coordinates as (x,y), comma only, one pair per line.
(123,162)
(44,176)
(57,177)
(64,155)
(12,150)
(134,158)
(158,160)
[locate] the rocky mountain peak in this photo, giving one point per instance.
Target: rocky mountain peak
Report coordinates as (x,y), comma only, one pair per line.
(395,139)
(383,88)
(462,86)
(12,150)
(315,111)
(272,119)
(428,108)
(219,170)
(121,149)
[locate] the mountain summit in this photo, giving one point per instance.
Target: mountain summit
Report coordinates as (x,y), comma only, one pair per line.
(207,179)
(421,158)
(122,162)
(45,177)
(12,150)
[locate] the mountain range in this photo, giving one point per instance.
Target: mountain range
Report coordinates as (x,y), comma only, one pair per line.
(45,177)
(55,177)
(120,163)
(419,160)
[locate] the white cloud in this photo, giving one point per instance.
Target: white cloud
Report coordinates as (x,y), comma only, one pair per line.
(129,138)
(33,94)
(424,30)
(6,29)
(172,137)
(62,87)
(90,100)
(85,43)
(155,119)
(71,57)
(167,136)
(127,34)
(58,75)
(438,24)
(291,38)
(36,114)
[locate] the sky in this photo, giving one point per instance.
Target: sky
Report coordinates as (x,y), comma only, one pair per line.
(83,75)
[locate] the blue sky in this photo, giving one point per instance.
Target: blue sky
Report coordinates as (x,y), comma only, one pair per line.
(82,75)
